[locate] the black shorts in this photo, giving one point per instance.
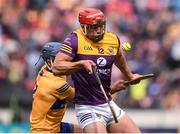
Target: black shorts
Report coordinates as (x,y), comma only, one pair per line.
(66,127)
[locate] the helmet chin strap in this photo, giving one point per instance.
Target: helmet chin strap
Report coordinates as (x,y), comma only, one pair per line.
(84,27)
(49,68)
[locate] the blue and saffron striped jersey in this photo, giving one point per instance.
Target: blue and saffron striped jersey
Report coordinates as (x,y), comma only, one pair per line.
(76,45)
(49,101)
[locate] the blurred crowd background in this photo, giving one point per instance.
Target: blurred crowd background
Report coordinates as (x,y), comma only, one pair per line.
(151,26)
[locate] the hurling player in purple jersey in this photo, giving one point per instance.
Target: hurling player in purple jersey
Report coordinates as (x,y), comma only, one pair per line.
(87,47)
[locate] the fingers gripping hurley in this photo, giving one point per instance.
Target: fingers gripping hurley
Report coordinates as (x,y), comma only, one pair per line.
(104,93)
(147,76)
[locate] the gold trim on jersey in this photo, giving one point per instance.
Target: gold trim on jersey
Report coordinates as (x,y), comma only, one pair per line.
(66,48)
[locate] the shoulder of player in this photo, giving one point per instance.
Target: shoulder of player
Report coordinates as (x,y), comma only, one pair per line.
(50,90)
(71,40)
(110,33)
(72,37)
(109,36)
(50,80)
(78,33)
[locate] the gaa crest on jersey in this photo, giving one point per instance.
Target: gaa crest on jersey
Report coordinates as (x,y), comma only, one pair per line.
(88,48)
(101,61)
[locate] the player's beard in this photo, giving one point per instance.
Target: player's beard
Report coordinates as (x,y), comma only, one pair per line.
(96,38)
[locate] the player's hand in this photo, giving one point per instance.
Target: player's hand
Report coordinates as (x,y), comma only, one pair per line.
(88,65)
(118,86)
(135,78)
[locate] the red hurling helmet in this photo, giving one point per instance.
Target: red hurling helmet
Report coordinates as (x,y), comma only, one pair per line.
(92,21)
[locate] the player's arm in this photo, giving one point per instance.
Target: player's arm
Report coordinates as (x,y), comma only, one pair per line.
(120,62)
(63,62)
(63,65)
(118,86)
(65,92)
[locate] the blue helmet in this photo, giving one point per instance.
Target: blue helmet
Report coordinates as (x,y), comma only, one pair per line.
(50,50)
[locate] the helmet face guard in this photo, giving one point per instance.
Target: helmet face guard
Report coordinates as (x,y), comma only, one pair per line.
(49,63)
(92,21)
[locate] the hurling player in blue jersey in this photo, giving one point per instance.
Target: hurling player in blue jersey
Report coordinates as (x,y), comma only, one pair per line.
(87,47)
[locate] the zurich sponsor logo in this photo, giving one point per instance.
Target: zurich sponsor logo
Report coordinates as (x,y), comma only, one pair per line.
(101,61)
(88,48)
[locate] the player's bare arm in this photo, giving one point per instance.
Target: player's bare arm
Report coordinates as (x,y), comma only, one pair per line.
(118,86)
(64,66)
(120,62)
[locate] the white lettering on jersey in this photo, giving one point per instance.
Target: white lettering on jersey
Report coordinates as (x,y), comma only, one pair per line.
(104,71)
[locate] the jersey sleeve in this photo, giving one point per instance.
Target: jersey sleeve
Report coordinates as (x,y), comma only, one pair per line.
(65,92)
(69,46)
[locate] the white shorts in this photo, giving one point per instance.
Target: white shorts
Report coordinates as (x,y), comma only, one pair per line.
(87,114)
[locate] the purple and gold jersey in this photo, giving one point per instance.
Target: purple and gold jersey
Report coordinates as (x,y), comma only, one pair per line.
(103,54)
(49,103)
